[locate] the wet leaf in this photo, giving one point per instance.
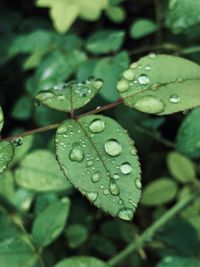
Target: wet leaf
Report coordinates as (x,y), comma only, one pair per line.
(39,171)
(175,261)
(6,155)
(70,96)
(149,87)
(103,165)
(49,224)
(81,261)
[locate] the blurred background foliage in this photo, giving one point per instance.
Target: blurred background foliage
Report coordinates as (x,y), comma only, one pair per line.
(47,42)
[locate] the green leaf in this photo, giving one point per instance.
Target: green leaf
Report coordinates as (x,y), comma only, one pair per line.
(39,171)
(102,165)
(141,28)
(182,14)
(76,235)
(181,167)
(1,119)
(188,137)
(22,108)
(6,155)
(109,69)
(175,261)
(105,41)
(70,96)
(65,12)
(159,192)
(49,224)
(149,87)
(81,261)
(16,252)
(116,14)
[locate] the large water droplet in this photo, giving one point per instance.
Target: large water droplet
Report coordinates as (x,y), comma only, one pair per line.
(98,84)
(129,74)
(143,79)
(138,183)
(82,90)
(113,147)
(149,104)
(126,214)
(76,154)
(97,126)
(174,99)
(92,196)
(126,168)
(122,85)
(96,177)
(114,188)
(17,141)
(116,176)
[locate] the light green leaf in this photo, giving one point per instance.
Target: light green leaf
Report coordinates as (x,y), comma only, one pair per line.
(65,12)
(39,171)
(105,41)
(70,96)
(141,28)
(22,108)
(182,14)
(6,155)
(109,69)
(159,192)
(1,119)
(76,235)
(7,185)
(80,261)
(175,261)
(102,165)
(116,14)
(188,137)
(181,167)
(16,252)
(49,224)
(150,87)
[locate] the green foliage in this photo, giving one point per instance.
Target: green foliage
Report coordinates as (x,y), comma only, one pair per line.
(71,104)
(148,87)
(109,164)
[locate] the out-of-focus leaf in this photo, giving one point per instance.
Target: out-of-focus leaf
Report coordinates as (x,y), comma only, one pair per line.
(141,28)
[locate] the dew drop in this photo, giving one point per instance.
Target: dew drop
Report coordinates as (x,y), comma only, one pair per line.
(143,79)
(92,196)
(106,192)
(174,98)
(97,126)
(138,183)
(82,90)
(126,168)
(98,84)
(152,55)
(96,177)
(60,86)
(133,151)
(122,85)
(62,129)
(126,214)
(149,104)
(90,163)
(76,154)
(17,141)
(116,176)
(114,188)
(147,67)
(129,74)
(112,147)
(134,65)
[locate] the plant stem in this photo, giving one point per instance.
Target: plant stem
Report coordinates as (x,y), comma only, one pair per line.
(150,232)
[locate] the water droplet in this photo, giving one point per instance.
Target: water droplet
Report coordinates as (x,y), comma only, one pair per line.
(61,98)
(134,65)
(90,163)
(82,90)
(138,183)
(97,126)
(174,99)
(126,214)
(116,176)
(62,129)
(143,79)
(98,84)
(113,147)
(152,55)
(126,168)
(129,74)
(106,192)
(133,151)
(114,188)
(122,85)
(76,154)
(96,177)
(17,141)
(60,86)
(131,201)
(147,67)
(149,104)
(92,196)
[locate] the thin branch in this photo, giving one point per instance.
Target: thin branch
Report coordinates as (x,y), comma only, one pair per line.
(137,244)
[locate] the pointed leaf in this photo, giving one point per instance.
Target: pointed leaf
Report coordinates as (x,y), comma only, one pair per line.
(98,157)
(161,85)
(70,96)
(50,222)
(1,119)
(39,171)
(6,155)
(81,261)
